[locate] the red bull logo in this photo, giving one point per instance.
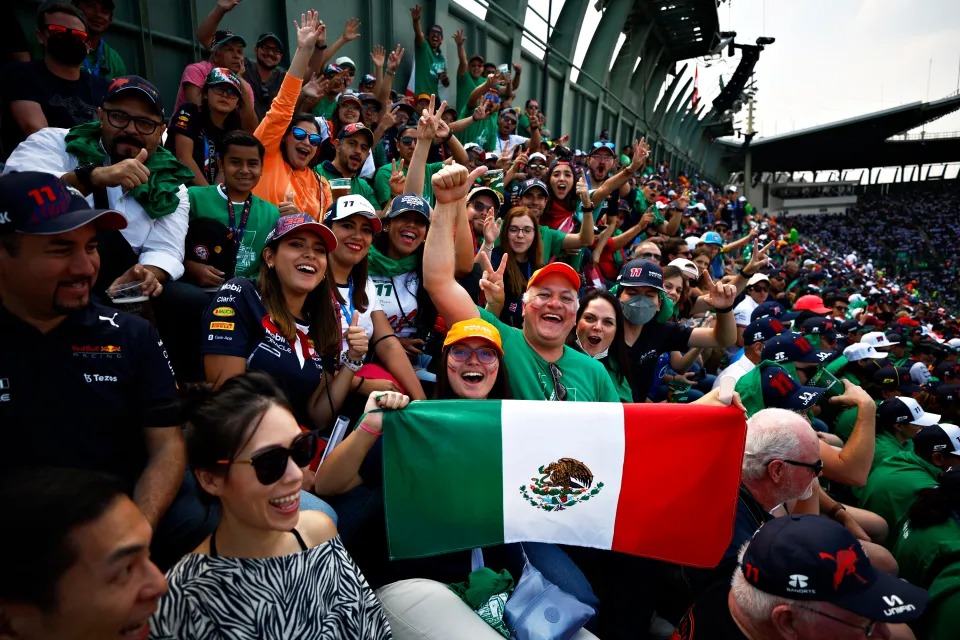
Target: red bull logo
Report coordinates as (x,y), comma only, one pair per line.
(846,560)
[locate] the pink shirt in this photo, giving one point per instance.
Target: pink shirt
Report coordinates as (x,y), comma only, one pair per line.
(196,74)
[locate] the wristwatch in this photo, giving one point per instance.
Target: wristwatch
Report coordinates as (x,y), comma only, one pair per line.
(84,175)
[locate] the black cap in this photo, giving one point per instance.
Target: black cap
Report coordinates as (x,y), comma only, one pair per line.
(209,242)
(812,558)
(37,203)
(904,411)
(891,377)
(780,391)
(762,330)
(532,183)
(937,438)
(355,128)
(409,202)
(143,87)
(821,326)
(792,347)
(772,308)
(223,36)
(269,35)
(641,273)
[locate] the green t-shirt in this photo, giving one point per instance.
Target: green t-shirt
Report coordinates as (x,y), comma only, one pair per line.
(210,202)
(428,64)
(325,108)
(887,446)
(892,487)
(381,183)
(586,379)
(104,62)
(482,132)
(922,553)
(465,86)
(358,186)
(943,612)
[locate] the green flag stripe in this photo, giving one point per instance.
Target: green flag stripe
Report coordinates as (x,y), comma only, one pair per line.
(426,513)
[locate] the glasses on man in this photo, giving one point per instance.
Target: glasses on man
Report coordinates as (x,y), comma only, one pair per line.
(761,289)
(271,463)
(313,138)
(537,165)
(408,140)
(866,628)
(816,467)
(370,108)
(225,90)
(509,120)
(482,207)
(120,119)
(654,186)
(77,34)
(650,256)
(559,390)
(518,231)
(462,353)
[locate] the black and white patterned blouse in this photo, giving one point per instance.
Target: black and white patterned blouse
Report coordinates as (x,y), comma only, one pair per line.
(318,593)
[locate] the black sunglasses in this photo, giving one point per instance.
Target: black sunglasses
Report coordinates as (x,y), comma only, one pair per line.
(408,140)
(558,388)
(300,134)
(816,467)
(271,463)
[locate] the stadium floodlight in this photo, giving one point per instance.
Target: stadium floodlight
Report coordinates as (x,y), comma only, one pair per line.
(762,40)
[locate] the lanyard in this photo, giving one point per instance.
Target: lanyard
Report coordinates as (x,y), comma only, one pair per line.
(236,233)
(348,307)
(95,70)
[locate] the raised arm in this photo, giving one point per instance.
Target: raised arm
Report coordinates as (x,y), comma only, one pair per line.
(640,151)
(208,26)
(383,87)
(851,465)
(450,185)
(415,12)
(323,55)
(720,297)
(625,238)
(585,237)
(736,245)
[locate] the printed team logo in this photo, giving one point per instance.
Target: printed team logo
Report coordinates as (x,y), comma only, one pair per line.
(561,485)
(798,584)
(221,326)
(846,560)
(201,252)
(224,312)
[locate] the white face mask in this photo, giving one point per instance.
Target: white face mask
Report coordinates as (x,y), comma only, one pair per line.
(602,354)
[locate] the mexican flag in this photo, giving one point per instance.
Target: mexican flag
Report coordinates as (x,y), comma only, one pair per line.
(647,479)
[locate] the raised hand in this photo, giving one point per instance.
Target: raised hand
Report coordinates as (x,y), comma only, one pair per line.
(415,12)
(398,180)
(459,38)
(127,174)
(288,206)
(517,68)
(227,5)
(640,152)
(393,60)
(378,56)
(759,258)
(491,227)
(307,30)
(352,30)
(583,192)
(483,110)
(492,281)
(357,339)
(452,183)
(719,295)
(389,118)
(316,87)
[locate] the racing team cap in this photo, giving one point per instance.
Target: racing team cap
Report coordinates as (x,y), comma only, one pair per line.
(641,273)
(762,330)
(937,438)
(792,347)
(891,377)
(783,392)
(712,237)
(409,202)
(811,558)
(142,86)
(878,339)
(303,221)
(555,268)
(352,205)
(689,268)
(532,183)
(344,61)
(771,308)
(757,277)
(368,79)
(493,193)
(355,128)
(905,409)
(859,351)
(222,75)
(811,303)
(223,36)
(818,325)
(474,328)
(62,208)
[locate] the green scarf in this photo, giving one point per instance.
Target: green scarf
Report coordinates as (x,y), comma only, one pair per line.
(380,265)
(158,196)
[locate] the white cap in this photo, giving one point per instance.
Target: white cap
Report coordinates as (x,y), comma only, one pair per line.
(732,187)
(954,342)
(877,339)
(344,61)
(742,199)
(493,154)
(757,277)
(692,242)
(919,373)
(919,417)
(701,207)
(671,193)
(689,268)
(809,262)
(859,351)
(660,205)
(352,205)
(537,155)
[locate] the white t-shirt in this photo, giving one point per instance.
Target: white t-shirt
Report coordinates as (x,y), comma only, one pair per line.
(738,369)
(347,309)
(510,143)
(398,299)
(741,313)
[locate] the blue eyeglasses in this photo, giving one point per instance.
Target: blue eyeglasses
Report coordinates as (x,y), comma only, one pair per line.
(300,134)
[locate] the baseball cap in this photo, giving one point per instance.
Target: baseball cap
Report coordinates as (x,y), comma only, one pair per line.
(538,156)
(771,308)
(532,183)
(209,241)
(848,326)
(352,205)
(762,330)
(135,83)
(332,69)
(223,36)
(222,75)
(908,321)
(286,224)
(877,339)
(792,347)
(641,273)
(555,268)
(689,268)
(493,193)
(692,242)
(811,558)
(269,35)
(783,392)
(818,325)
(473,146)
(937,438)
(349,96)
(732,188)
(474,328)
(403,106)
(811,303)
(63,208)
(859,351)
(905,409)
(891,377)
(368,79)
(953,343)
(757,277)
(422,96)
(712,237)
(409,202)
(369,97)
(355,128)
(344,61)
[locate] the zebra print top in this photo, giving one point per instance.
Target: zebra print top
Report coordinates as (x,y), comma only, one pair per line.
(318,593)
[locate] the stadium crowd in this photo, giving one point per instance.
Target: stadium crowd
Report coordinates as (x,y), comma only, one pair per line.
(195,308)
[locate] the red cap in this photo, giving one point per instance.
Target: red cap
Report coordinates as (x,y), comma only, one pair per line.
(556,268)
(810,303)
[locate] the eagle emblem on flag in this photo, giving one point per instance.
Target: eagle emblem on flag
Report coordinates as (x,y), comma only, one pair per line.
(561,485)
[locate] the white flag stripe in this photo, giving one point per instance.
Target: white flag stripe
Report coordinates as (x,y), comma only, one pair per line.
(536,434)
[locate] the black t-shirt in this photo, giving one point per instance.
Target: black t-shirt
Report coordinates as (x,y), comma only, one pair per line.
(81,394)
(656,338)
(207,137)
(65,103)
(709,618)
(512,312)
(263,92)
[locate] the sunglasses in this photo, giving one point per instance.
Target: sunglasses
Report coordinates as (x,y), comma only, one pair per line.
(77,34)
(653,186)
(481,207)
(408,140)
(650,256)
(271,463)
(537,165)
(485,355)
(816,467)
(761,290)
(300,134)
(600,145)
(509,120)
(559,390)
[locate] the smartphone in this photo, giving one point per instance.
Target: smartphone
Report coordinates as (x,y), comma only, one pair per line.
(504,69)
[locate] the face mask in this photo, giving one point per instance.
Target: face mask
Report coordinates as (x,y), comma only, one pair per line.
(599,356)
(639,310)
(66,49)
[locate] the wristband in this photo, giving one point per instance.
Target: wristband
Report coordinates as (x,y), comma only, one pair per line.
(390,73)
(353,365)
(589,209)
(724,310)
(369,430)
(744,273)
(319,47)
(835,509)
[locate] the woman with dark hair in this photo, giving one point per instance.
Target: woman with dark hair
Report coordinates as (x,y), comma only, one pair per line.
(197,133)
(599,334)
(520,241)
(268,570)
(287,324)
(291,139)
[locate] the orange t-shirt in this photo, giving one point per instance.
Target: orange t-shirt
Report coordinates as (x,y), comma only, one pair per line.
(311,191)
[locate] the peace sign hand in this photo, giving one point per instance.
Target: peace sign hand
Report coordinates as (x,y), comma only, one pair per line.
(492,281)
(759,258)
(719,295)
(398,179)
